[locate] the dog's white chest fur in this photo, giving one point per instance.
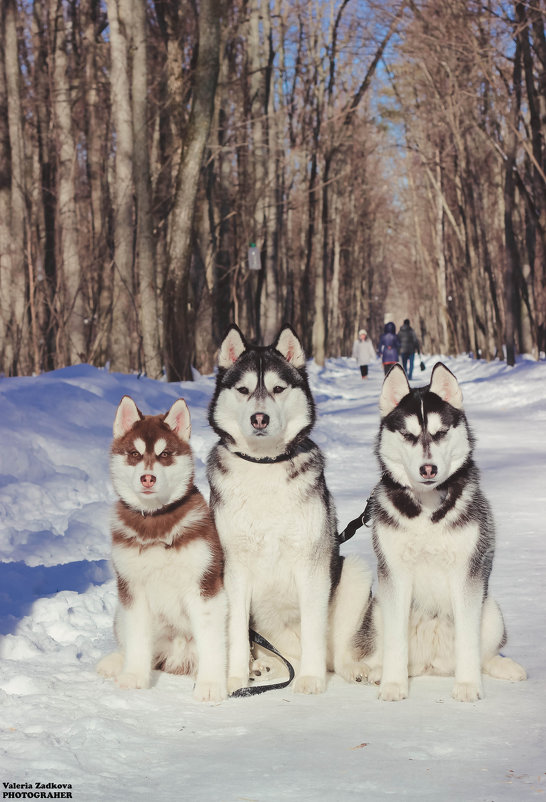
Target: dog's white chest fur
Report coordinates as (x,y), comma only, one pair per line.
(271,527)
(167,577)
(265,516)
(432,553)
(423,543)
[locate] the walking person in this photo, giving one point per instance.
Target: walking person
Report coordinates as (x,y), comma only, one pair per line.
(363,352)
(409,344)
(389,347)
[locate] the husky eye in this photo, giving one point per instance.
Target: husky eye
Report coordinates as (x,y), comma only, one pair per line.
(134,454)
(165,454)
(441,433)
(411,438)
(278,389)
(242,390)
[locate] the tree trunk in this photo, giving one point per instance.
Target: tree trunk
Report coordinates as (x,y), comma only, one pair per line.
(73,336)
(533,279)
(262,97)
(319,320)
(178,308)
(123,296)
(96,113)
(511,266)
(512,256)
(12,247)
(147,307)
(335,326)
(6,347)
(45,192)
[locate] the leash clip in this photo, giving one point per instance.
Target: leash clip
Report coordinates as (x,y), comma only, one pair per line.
(363,520)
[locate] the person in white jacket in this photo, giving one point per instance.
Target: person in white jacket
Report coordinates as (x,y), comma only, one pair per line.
(363,352)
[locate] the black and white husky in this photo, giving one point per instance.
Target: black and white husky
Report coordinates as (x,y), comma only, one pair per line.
(434,540)
(276,519)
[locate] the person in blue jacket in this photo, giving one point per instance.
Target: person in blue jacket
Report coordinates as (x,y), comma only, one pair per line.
(389,347)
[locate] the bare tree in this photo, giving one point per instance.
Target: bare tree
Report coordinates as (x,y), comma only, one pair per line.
(178,305)
(13,306)
(145,251)
(123,306)
(72,341)
(96,115)
(143,146)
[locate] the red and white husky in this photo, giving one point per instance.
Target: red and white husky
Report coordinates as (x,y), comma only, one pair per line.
(167,557)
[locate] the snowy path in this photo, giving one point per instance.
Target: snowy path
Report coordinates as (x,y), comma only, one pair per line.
(61,723)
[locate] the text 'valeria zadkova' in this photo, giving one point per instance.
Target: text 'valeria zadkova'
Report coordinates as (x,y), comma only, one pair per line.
(36,791)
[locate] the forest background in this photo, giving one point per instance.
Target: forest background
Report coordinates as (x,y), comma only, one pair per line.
(384,157)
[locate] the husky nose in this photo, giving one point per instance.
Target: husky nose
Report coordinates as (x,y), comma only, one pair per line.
(428,471)
(259,420)
(147,480)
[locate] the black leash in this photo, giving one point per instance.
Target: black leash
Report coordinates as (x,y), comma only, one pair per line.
(252,690)
(363,520)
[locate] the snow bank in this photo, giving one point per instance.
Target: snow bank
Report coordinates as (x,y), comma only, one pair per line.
(63,724)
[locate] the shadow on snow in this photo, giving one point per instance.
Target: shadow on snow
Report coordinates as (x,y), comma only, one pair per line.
(21,585)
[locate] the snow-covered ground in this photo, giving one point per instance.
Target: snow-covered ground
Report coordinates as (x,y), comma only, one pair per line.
(62,723)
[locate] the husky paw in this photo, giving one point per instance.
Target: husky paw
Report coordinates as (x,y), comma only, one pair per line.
(467,691)
(235,683)
(505,668)
(374,675)
(129,680)
(353,671)
(111,665)
(308,684)
(393,691)
(209,691)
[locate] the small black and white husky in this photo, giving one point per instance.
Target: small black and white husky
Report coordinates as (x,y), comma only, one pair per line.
(276,520)
(434,539)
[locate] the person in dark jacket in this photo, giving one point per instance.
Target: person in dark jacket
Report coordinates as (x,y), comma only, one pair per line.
(409,344)
(389,347)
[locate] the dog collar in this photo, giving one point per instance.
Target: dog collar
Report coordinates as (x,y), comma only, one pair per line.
(263,460)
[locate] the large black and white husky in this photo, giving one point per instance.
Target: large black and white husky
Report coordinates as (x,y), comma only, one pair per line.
(276,519)
(434,539)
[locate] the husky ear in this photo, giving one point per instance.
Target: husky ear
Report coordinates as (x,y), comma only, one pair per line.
(178,419)
(232,347)
(444,384)
(126,416)
(395,387)
(288,344)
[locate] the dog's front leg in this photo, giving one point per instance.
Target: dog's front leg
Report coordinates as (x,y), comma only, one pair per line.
(314,593)
(208,621)
(238,589)
(394,594)
(466,599)
(135,623)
